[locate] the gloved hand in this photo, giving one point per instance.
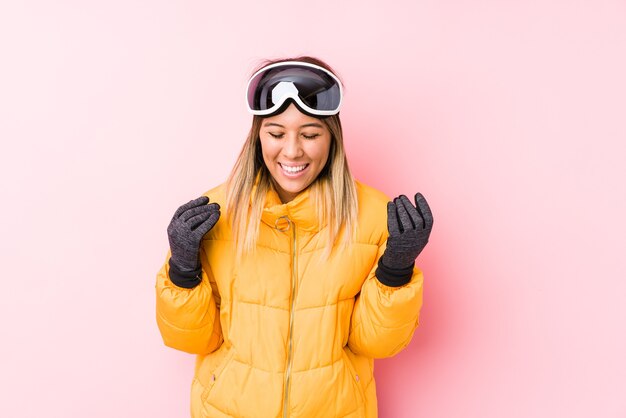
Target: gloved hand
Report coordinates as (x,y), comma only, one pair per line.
(409,228)
(186,229)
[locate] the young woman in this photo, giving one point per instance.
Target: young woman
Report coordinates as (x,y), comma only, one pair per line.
(291,277)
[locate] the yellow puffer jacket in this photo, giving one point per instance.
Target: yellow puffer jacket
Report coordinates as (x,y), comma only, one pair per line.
(282,334)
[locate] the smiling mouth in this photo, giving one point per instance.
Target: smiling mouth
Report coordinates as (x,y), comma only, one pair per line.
(293,170)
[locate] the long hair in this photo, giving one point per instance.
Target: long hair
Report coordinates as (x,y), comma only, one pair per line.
(333,191)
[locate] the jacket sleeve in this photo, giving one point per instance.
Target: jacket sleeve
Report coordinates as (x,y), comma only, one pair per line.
(188,319)
(384,318)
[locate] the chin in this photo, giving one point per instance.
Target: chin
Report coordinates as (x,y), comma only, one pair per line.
(294,190)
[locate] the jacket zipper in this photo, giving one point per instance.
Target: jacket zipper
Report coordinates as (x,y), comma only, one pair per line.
(294,279)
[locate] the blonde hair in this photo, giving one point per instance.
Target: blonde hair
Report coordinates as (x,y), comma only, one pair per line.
(333,191)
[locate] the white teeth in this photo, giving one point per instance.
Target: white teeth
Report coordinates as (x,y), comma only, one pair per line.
(293,169)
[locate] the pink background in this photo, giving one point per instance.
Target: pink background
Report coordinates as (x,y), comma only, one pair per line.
(510,117)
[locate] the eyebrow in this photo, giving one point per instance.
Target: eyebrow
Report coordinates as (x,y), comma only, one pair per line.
(306,125)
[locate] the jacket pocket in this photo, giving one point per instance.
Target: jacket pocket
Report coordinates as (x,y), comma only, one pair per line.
(217,372)
(355,378)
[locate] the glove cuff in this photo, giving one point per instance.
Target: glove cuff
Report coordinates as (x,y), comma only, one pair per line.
(393,277)
(185,279)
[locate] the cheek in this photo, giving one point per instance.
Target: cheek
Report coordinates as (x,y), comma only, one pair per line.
(322,152)
(267,151)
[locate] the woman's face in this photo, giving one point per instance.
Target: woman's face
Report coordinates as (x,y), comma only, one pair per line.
(295,150)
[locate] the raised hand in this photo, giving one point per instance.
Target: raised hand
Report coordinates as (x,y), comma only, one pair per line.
(190,223)
(409,228)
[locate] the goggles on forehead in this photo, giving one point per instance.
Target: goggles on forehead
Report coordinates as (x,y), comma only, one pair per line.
(314,89)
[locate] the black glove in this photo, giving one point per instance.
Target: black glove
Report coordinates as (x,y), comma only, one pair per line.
(189,224)
(409,228)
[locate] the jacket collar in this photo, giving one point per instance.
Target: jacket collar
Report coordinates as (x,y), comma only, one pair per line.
(301,210)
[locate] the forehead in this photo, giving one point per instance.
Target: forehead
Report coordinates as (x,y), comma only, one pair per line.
(292,118)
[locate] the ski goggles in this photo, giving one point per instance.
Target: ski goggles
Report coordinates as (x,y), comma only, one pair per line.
(314,89)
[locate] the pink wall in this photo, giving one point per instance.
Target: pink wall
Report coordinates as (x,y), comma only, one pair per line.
(508,116)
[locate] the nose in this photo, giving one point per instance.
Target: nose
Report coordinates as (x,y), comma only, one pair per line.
(291,148)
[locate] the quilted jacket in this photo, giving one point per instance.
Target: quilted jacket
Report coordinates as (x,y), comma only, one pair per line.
(281,333)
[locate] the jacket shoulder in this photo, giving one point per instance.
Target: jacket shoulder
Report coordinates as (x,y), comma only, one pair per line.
(370,193)
(217,194)
(372,218)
